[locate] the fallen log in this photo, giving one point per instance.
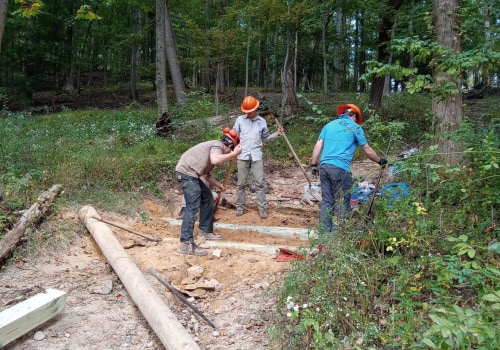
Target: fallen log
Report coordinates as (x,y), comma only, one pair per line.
(31,217)
(161,319)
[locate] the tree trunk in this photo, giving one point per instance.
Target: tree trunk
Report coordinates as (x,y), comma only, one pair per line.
(325,20)
(3,17)
(161,71)
(362,54)
(247,63)
(173,61)
(337,53)
(384,35)
(274,68)
(357,49)
(261,65)
(135,53)
(291,103)
(447,110)
(33,216)
(295,61)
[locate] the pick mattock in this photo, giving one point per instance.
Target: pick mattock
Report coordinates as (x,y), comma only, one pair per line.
(375,190)
(149,238)
(226,179)
(276,117)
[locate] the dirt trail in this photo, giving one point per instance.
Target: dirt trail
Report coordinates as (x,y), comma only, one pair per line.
(99,313)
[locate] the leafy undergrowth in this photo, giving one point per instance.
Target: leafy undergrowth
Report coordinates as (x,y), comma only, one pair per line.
(424,274)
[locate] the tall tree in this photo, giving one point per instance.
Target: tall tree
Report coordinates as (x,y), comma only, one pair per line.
(161,61)
(337,51)
(3,18)
(326,16)
(135,52)
(389,9)
(447,107)
(173,61)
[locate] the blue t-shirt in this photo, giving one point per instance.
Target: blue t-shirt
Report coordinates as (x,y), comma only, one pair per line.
(340,138)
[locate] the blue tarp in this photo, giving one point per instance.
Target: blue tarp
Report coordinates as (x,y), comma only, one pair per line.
(395,191)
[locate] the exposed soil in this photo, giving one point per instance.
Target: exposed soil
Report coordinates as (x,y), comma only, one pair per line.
(100,314)
(242,306)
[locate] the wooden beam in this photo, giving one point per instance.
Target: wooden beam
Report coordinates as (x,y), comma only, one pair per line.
(303,234)
(161,319)
(23,317)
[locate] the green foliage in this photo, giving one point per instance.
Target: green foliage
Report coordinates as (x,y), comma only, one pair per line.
(470,328)
(301,135)
(6,220)
(198,106)
(85,12)
(413,111)
(436,57)
(317,111)
(321,299)
(29,8)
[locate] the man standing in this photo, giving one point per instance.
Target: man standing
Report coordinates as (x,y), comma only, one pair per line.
(193,172)
(254,133)
(336,145)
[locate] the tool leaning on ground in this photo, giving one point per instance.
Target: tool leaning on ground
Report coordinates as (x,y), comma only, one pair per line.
(149,238)
(181,297)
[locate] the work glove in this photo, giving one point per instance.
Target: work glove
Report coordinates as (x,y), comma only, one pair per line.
(383,162)
(314,169)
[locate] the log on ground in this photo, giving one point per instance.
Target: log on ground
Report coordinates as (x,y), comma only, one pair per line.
(33,216)
(161,319)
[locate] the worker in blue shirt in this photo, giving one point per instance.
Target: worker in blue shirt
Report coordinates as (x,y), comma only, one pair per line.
(332,157)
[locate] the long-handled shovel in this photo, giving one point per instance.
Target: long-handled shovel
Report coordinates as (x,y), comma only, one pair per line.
(276,117)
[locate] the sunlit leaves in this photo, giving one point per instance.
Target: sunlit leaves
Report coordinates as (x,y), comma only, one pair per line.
(29,8)
(85,12)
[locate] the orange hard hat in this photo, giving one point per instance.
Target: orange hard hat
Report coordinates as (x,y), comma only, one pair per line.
(249,104)
(231,136)
(356,109)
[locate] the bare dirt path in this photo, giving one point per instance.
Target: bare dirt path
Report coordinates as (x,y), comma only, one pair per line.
(99,313)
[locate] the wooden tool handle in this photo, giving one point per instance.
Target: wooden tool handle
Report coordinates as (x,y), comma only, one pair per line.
(226,180)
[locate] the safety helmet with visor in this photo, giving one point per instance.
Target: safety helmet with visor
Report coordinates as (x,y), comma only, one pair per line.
(351,109)
(230,137)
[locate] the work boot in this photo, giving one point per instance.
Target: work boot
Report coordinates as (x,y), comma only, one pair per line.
(188,248)
(209,235)
(262,214)
(239,212)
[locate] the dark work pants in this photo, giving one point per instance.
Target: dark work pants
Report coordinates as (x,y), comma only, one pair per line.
(199,199)
(336,184)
